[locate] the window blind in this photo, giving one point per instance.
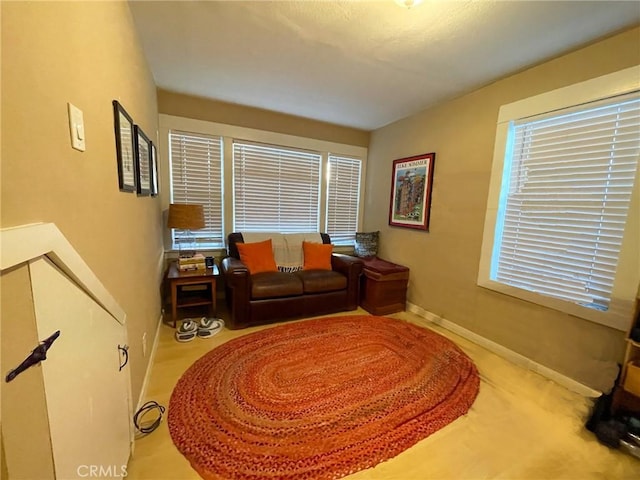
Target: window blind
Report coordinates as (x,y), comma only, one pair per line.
(196,177)
(343,198)
(566,191)
(275,188)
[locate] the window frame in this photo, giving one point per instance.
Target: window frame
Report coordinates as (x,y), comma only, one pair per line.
(277,162)
(228,134)
(328,201)
(627,280)
(197,234)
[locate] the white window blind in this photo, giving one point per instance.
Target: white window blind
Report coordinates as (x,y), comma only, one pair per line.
(343,195)
(275,188)
(566,191)
(196,177)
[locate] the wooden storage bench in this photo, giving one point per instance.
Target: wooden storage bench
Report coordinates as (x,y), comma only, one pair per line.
(384,287)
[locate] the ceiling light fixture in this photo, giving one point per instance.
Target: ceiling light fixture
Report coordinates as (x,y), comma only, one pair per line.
(408,3)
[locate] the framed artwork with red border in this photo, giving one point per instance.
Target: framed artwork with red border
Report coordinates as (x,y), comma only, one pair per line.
(411,182)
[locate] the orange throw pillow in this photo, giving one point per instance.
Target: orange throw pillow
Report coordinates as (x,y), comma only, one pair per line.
(258,256)
(317,256)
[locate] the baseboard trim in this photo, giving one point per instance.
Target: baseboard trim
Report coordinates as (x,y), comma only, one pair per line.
(147,373)
(504,352)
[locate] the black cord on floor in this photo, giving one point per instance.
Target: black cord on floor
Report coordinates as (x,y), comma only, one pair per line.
(144,409)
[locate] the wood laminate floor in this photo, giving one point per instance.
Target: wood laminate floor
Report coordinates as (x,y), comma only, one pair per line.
(521,426)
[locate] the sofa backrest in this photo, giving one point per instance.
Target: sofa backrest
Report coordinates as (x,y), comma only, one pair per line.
(236,237)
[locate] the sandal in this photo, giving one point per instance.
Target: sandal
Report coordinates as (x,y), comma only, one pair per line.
(208,327)
(187,331)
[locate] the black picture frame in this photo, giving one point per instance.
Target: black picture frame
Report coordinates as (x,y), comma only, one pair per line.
(155,190)
(125,149)
(143,162)
(411,183)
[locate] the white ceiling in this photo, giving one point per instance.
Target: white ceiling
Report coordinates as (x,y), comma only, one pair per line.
(361,64)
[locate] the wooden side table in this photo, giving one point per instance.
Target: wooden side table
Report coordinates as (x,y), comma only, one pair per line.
(181,298)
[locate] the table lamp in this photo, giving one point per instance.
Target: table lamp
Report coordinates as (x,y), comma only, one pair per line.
(187,217)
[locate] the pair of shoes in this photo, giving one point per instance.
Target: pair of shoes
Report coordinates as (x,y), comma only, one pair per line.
(187,331)
(208,327)
(205,328)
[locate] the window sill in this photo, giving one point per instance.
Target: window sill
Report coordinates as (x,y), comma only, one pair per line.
(618,316)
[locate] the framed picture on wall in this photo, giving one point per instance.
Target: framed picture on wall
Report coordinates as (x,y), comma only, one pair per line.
(143,161)
(154,170)
(411,180)
(125,149)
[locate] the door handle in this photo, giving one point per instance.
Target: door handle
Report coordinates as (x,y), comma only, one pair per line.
(125,353)
(35,357)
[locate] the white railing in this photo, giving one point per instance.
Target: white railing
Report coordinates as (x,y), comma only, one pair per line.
(23,243)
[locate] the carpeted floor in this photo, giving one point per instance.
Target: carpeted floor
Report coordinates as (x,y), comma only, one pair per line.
(319,399)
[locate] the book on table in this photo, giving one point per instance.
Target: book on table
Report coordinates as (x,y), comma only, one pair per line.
(193,267)
(196,259)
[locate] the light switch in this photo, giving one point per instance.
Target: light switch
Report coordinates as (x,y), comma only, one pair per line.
(76,128)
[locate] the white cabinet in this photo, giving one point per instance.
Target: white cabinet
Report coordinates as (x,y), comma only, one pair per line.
(87,407)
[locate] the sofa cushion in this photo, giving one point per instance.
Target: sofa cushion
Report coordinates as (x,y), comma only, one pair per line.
(258,256)
(236,237)
(287,247)
(320,281)
(317,256)
(275,285)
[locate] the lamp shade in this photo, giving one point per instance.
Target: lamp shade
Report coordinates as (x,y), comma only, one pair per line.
(186,216)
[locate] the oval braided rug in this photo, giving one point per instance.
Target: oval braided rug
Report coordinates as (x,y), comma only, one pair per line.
(318,399)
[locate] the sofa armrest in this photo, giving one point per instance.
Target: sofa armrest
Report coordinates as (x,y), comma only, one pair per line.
(235,272)
(238,290)
(351,267)
(346,264)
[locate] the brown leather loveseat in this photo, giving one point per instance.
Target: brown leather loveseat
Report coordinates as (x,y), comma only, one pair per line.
(277,295)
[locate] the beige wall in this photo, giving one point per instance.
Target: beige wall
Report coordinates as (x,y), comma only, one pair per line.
(231,114)
(86,53)
(444,262)
(24,406)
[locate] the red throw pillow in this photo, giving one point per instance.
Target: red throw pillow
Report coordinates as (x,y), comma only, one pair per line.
(317,256)
(258,256)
